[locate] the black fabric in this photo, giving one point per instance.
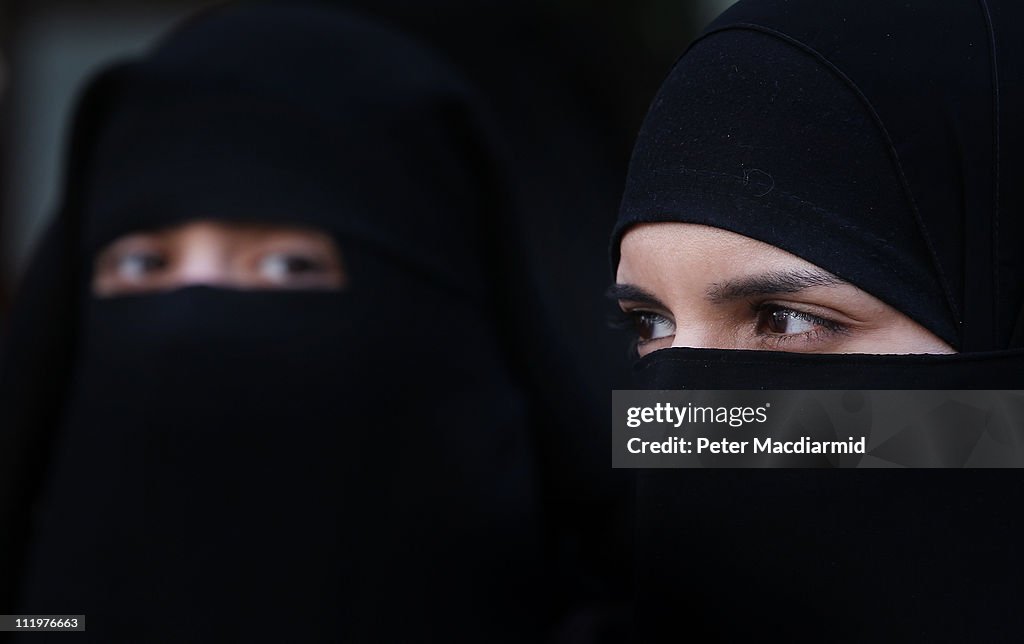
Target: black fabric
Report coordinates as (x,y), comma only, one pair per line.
(875,140)
(205,470)
(562,96)
(214,464)
(685,368)
(831,555)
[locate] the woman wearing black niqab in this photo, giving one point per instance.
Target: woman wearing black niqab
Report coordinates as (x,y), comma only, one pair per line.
(878,143)
(265,465)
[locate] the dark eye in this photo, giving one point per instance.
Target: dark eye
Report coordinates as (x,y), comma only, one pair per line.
(651,326)
(137,265)
(777,320)
(280,267)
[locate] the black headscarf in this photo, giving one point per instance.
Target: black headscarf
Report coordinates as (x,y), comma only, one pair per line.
(879,141)
(277,465)
(876,142)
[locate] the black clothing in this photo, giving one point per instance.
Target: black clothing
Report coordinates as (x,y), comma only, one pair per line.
(874,139)
(227,465)
(562,95)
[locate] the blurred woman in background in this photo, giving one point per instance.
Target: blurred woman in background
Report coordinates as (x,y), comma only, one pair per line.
(258,384)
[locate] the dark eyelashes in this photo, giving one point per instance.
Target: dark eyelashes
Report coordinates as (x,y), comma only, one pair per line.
(760,308)
(823,329)
(629,320)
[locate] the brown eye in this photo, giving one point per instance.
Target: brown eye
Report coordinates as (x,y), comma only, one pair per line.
(782,321)
(651,326)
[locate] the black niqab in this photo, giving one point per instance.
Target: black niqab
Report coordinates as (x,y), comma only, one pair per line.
(277,465)
(876,140)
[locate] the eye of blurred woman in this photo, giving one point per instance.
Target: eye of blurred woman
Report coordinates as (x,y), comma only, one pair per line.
(281,266)
(229,255)
(297,268)
(136,265)
(131,264)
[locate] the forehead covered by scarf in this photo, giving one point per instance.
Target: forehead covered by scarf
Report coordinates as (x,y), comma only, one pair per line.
(872,139)
(299,116)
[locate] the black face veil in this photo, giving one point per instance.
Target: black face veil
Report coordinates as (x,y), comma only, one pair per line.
(880,141)
(267,464)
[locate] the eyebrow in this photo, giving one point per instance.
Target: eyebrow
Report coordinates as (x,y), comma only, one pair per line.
(770,284)
(631,293)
